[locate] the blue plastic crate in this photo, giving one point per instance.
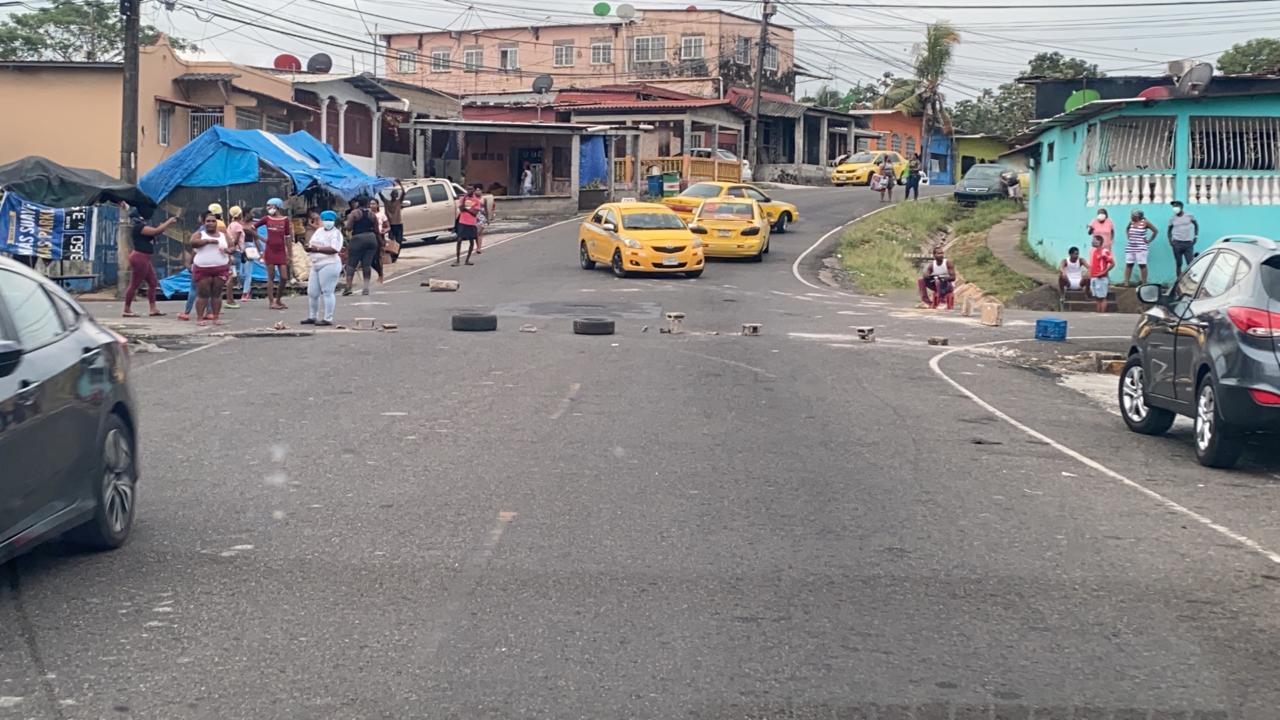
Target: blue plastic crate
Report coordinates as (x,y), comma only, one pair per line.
(1052,329)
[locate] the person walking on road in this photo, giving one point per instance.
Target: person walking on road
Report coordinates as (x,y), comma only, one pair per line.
(209,269)
(526,181)
(276,258)
(235,245)
(140,268)
(1101,225)
(470,208)
(1183,233)
(887,181)
(1138,238)
(913,178)
(395,205)
(483,219)
(324,249)
(384,227)
(1100,264)
(363,226)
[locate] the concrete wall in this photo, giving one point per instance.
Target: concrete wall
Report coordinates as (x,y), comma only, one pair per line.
(1060,208)
(509,208)
(970,151)
(905,126)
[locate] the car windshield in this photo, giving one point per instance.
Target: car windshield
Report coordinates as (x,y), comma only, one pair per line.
(726,155)
(651,220)
(727,211)
(1270,272)
(702,190)
(860,158)
(983,174)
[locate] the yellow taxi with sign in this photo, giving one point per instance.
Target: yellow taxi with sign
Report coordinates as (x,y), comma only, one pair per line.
(858,168)
(732,227)
(635,237)
(780,214)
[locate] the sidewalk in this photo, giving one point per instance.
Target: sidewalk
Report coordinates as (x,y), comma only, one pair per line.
(1003,239)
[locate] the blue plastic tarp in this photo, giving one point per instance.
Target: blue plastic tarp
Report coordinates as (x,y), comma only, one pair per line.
(179,283)
(591,162)
(221,156)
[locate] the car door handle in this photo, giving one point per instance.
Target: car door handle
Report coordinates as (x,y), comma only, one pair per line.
(27,391)
(90,356)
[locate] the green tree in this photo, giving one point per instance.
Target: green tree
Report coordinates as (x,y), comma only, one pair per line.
(858,95)
(1260,55)
(923,94)
(90,31)
(1008,109)
(1057,65)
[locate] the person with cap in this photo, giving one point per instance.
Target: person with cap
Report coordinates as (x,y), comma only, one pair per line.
(276,258)
(216,209)
(140,268)
(235,247)
(1183,233)
(324,249)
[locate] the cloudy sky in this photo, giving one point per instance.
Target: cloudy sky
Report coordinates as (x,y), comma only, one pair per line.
(849,43)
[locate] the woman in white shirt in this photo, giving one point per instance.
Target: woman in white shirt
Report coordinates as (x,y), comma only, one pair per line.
(326,266)
(209,269)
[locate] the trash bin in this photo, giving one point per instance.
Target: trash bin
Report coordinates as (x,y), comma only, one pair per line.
(655,186)
(670,184)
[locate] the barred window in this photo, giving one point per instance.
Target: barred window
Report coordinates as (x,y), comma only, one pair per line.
(1127,144)
(1235,143)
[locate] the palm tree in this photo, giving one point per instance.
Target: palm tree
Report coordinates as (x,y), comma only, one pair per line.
(923,93)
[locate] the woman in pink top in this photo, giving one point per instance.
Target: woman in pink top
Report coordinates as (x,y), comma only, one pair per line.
(1102,225)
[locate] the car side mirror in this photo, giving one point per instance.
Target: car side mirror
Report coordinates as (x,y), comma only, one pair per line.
(697,230)
(609,227)
(406,203)
(10,356)
(1149,294)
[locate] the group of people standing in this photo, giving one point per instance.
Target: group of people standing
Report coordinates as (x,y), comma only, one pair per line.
(886,177)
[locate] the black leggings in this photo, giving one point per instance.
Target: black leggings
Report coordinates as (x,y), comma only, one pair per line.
(361,252)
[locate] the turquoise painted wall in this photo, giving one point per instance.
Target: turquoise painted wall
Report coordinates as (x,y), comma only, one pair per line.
(1059,213)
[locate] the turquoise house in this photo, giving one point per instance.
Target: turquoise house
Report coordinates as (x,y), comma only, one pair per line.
(1219,153)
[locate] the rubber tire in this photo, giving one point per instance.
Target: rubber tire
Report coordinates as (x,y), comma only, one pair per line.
(758,257)
(616,265)
(1158,420)
(584,258)
(694,274)
(593,326)
(96,534)
(475,322)
(1226,443)
(780,225)
(766,248)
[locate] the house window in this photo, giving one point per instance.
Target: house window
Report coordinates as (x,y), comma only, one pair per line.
(563,55)
(1127,144)
(896,143)
(911,146)
(559,163)
(649,49)
(439,61)
(1235,143)
(692,47)
(202,120)
(472,60)
(771,57)
(508,59)
(247,119)
(1049,153)
(279,126)
(742,51)
(406,61)
(164,124)
(601,53)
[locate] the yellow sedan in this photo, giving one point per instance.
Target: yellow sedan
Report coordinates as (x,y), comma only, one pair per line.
(780,214)
(639,237)
(858,168)
(732,228)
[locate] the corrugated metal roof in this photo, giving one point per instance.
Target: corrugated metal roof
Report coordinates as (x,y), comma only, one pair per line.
(205,77)
(1088,110)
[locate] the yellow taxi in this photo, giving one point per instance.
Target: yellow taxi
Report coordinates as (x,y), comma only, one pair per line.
(858,168)
(639,237)
(780,214)
(732,227)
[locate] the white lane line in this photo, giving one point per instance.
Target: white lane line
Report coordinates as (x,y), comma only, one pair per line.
(1090,462)
(465,583)
(566,401)
(504,241)
(192,351)
(726,361)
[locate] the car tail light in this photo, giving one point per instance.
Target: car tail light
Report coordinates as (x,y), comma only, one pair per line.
(1255,322)
(680,208)
(1264,397)
(753,230)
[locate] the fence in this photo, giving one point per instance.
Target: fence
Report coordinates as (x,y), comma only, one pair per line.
(1129,189)
(1229,189)
(695,169)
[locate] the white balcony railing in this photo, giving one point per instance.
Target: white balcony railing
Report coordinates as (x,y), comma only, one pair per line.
(1233,189)
(1141,189)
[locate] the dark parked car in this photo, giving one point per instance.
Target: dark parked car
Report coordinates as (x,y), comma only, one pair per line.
(68,429)
(982,182)
(1207,350)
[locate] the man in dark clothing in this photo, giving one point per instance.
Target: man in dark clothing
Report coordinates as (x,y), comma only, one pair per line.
(1183,233)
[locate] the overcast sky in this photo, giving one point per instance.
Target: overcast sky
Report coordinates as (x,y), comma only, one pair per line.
(852,44)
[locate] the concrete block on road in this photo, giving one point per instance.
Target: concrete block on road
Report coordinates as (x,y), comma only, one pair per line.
(936,340)
(867,333)
(435,285)
(992,314)
(751,328)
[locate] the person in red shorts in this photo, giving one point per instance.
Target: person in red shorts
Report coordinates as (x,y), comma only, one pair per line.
(140,267)
(276,258)
(210,269)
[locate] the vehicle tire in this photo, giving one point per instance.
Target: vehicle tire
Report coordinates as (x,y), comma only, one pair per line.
(593,326)
(839,184)
(115,491)
(475,322)
(758,257)
(766,248)
(1218,445)
(1138,415)
(616,265)
(584,257)
(780,226)
(694,274)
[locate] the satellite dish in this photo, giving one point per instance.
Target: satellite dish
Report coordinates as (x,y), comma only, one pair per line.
(320,63)
(542,84)
(626,11)
(601,9)
(1080,97)
(1195,80)
(1178,68)
(1155,92)
(287,62)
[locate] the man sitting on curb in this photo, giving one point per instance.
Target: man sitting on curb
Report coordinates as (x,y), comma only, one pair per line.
(1072,272)
(939,276)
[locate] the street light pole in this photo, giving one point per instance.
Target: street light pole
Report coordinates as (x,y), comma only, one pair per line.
(766,11)
(129,9)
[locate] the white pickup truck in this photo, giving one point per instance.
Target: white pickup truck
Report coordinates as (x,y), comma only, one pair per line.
(430,207)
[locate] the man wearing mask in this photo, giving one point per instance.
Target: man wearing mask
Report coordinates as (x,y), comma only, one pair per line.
(1183,233)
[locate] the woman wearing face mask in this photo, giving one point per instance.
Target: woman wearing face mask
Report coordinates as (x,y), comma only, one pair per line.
(1102,225)
(323,249)
(276,258)
(209,269)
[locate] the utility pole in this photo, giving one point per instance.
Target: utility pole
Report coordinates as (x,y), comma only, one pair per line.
(129,9)
(767,10)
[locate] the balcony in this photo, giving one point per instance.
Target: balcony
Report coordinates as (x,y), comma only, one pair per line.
(1233,188)
(1137,189)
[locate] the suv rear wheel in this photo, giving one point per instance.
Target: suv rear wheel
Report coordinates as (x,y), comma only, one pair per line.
(114,491)
(1218,445)
(1137,414)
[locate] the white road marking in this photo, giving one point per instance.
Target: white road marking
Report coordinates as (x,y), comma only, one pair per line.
(517,236)
(726,361)
(934,364)
(566,401)
(192,351)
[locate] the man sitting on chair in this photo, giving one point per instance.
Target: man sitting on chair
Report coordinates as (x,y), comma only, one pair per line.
(939,276)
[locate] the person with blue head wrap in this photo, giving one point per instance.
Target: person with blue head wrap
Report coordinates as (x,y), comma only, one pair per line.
(323,249)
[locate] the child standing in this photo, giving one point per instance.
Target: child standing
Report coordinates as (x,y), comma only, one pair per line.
(1100,263)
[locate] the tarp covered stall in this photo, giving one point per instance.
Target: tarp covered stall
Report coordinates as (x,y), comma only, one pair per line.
(44,181)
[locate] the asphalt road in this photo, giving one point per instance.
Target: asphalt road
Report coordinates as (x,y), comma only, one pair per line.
(428,524)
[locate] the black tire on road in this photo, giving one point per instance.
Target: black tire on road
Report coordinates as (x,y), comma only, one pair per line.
(780,225)
(1218,444)
(694,274)
(475,322)
(616,265)
(593,326)
(1138,414)
(114,490)
(584,257)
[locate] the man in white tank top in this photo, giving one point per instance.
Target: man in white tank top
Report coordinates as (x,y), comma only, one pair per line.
(1073,273)
(939,277)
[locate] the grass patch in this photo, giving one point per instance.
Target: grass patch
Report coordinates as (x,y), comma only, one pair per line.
(879,266)
(984,216)
(978,265)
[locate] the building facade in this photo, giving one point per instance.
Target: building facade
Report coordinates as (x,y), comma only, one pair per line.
(898,131)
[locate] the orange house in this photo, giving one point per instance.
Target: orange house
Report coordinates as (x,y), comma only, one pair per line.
(898,131)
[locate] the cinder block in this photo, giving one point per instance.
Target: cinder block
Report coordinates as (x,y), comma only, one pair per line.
(992,314)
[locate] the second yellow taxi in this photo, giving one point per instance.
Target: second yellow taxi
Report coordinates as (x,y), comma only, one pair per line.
(780,214)
(732,227)
(633,237)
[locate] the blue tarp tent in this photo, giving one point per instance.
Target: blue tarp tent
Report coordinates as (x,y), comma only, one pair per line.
(220,156)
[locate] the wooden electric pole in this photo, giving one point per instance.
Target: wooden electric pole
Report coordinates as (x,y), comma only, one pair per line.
(129,9)
(766,11)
